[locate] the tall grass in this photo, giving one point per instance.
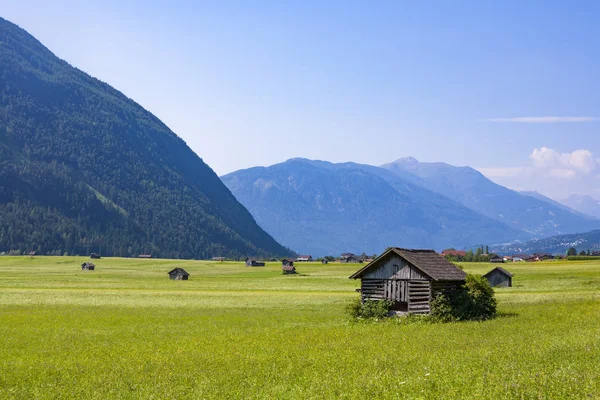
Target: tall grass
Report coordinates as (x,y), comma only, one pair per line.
(126,331)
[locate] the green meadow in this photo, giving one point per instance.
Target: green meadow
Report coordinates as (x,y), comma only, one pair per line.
(125,331)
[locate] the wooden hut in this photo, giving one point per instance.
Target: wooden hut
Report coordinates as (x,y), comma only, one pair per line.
(287,263)
(253,263)
(288,269)
(95,256)
(324,261)
(178,274)
(88,266)
(351,260)
(410,278)
(499,277)
(496,259)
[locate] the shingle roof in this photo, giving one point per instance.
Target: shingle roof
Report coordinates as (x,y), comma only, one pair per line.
(428,261)
(499,269)
(180,270)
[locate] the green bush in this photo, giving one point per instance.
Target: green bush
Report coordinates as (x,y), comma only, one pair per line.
(374,310)
(441,309)
(475,301)
(583,258)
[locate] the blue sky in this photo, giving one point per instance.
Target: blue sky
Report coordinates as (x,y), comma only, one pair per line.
(508,87)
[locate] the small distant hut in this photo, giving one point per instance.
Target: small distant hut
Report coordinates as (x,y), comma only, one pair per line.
(288,269)
(499,277)
(351,260)
(31,254)
(88,266)
(178,274)
(253,263)
(410,278)
(219,259)
(145,256)
(304,258)
(324,261)
(287,263)
(496,259)
(95,256)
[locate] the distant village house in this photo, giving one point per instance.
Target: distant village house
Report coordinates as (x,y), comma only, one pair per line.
(454,253)
(496,259)
(304,258)
(253,263)
(351,260)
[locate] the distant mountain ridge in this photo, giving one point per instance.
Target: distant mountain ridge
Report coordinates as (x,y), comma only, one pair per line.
(433,205)
(547,199)
(82,165)
(324,208)
(555,244)
(584,204)
(539,218)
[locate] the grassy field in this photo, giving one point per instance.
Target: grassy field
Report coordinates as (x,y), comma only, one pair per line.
(127,331)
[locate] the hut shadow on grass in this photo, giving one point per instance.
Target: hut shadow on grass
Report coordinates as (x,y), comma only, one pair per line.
(506,315)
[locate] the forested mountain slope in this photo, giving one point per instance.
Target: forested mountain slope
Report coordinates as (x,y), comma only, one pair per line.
(81,164)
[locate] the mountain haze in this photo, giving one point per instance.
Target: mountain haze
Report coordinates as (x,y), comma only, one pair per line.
(83,165)
(324,208)
(584,204)
(469,187)
(555,203)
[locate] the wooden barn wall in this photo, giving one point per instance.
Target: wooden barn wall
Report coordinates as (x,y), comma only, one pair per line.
(419,296)
(394,267)
(445,287)
(373,289)
(498,279)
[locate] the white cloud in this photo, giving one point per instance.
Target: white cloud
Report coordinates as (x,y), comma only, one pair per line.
(551,172)
(542,120)
(562,173)
(579,162)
